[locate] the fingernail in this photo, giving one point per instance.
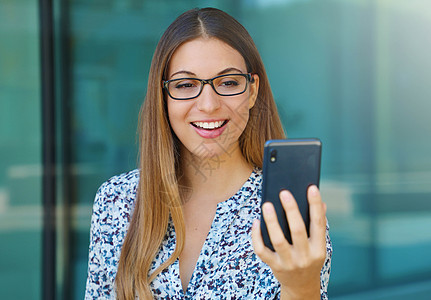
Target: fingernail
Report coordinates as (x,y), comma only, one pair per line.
(286,195)
(314,191)
(267,208)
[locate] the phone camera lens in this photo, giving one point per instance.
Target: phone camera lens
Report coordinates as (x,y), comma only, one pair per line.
(273,156)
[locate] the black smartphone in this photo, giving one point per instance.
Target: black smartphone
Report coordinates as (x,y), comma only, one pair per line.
(294,165)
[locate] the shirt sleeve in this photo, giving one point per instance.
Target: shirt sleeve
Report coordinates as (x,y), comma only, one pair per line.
(98,284)
(326,269)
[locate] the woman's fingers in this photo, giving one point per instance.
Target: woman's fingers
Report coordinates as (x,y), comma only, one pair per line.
(265,254)
(317,218)
(278,240)
(297,267)
(297,227)
(304,250)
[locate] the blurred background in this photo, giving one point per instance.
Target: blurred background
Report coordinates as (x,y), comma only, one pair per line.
(355,73)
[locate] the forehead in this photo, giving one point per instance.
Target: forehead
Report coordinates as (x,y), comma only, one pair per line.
(205,57)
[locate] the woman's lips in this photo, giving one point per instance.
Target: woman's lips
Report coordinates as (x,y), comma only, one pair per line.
(209,129)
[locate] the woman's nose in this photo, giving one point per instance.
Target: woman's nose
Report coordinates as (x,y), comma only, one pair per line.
(208,101)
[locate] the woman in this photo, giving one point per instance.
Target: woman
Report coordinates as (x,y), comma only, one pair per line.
(181,225)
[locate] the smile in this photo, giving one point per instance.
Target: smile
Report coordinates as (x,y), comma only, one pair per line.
(209,125)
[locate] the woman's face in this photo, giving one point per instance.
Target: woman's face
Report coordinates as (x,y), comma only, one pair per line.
(209,124)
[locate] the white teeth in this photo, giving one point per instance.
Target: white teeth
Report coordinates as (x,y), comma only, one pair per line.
(208,125)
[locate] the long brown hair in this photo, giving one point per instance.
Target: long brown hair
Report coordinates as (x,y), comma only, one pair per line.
(158,194)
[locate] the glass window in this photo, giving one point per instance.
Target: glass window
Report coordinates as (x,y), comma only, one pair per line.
(20,152)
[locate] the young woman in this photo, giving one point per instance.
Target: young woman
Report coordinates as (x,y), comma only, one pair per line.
(185,224)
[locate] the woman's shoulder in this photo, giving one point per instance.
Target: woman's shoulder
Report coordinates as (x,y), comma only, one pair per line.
(118,192)
(112,211)
(122,183)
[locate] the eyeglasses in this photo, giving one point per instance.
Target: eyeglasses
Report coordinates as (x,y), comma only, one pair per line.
(223,85)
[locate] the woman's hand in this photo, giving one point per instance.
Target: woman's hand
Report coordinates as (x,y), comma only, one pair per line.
(297,266)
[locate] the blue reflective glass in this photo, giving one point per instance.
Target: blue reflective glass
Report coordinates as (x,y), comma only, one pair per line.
(20,152)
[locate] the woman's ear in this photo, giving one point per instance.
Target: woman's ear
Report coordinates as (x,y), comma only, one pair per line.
(254,90)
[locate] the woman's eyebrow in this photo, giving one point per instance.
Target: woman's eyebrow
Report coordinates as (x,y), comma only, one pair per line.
(227,70)
(183,72)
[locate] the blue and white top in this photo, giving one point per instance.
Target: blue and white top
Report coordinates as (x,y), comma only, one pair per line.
(227,267)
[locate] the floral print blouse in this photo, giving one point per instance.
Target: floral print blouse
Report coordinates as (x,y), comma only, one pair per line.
(227,267)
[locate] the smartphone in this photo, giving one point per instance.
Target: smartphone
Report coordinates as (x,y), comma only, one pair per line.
(294,165)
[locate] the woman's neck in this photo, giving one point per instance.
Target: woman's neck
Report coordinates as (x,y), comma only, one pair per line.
(214,179)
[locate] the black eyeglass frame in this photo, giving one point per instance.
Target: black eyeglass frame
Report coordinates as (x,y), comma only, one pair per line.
(248,76)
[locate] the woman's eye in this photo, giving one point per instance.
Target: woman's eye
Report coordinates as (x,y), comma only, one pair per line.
(229,83)
(185,85)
